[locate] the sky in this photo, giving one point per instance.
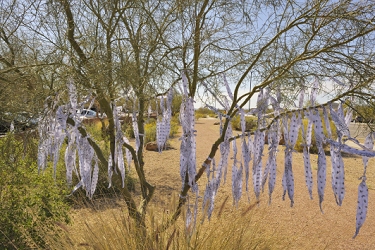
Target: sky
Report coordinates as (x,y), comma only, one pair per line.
(324,95)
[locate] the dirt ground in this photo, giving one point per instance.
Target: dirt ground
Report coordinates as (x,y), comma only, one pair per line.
(302,226)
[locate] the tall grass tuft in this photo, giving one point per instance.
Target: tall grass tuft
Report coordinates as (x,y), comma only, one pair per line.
(108,226)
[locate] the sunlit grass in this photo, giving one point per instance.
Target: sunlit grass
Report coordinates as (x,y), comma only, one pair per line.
(108,226)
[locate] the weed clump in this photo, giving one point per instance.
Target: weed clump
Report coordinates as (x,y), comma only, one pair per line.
(313,147)
(251,122)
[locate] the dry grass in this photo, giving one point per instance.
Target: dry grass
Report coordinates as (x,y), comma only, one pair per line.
(107,226)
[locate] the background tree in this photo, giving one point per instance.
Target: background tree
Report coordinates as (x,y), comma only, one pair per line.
(26,72)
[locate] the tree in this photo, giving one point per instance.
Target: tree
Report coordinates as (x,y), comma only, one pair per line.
(134,53)
(297,49)
(21,65)
(129,46)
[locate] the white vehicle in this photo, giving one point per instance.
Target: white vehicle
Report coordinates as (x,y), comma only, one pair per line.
(88,114)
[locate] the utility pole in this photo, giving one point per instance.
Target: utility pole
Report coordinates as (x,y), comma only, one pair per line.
(251,76)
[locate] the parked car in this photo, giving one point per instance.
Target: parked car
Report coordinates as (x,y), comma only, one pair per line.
(88,114)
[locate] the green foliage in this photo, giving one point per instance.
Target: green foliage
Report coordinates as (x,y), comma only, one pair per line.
(313,148)
(95,131)
(30,203)
(175,107)
(365,112)
(199,115)
(176,104)
(204,113)
(150,129)
(129,130)
(251,122)
(175,124)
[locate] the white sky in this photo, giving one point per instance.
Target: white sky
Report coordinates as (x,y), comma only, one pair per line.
(324,95)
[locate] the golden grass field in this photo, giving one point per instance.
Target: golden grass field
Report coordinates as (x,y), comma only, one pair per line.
(105,224)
